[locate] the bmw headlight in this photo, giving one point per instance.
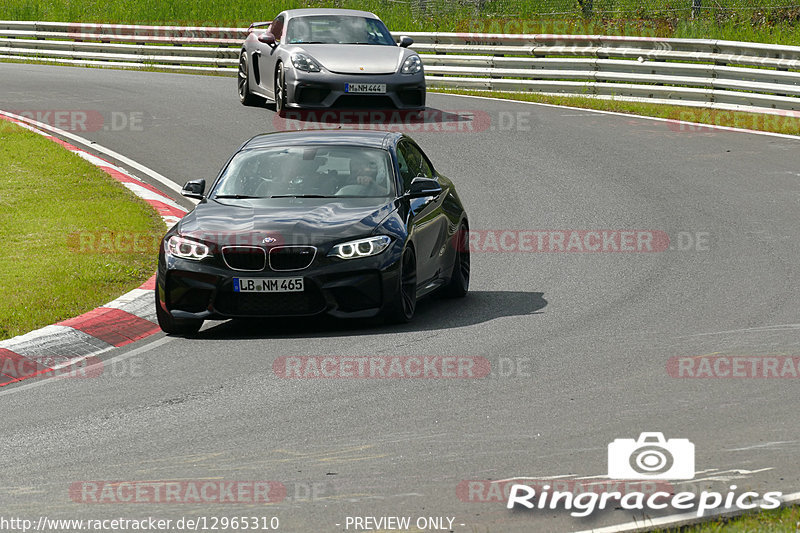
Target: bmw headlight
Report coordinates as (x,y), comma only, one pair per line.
(361,247)
(305,62)
(411,65)
(187,248)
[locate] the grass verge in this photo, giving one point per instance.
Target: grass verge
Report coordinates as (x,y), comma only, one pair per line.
(57,208)
(783,520)
(735,119)
(768,21)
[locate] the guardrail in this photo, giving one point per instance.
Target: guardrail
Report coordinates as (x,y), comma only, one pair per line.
(694,72)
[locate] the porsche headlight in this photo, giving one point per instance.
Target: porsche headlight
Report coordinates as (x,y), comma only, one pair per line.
(187,248)
(411,65)
(305,62)
(361,247)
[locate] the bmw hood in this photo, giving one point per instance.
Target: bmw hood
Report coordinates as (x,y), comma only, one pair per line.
(358,59)
(271,222)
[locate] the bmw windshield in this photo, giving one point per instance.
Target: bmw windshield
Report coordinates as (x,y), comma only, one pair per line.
(308,172)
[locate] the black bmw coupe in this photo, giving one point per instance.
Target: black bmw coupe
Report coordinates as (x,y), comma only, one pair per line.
(349,223)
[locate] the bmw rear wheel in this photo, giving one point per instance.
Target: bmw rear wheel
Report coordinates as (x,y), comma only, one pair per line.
(459,280)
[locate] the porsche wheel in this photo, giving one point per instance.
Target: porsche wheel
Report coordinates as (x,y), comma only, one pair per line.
(280,90)
(245,96)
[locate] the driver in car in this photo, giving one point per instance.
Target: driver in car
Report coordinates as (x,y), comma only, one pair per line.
(364,172)
(298,176)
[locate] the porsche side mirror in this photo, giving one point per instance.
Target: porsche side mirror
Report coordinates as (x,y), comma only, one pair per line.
(421,187)
(405,41)
(267,38)
(194,189)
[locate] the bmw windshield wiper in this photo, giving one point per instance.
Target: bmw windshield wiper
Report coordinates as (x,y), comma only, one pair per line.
(300,196)
(236,196)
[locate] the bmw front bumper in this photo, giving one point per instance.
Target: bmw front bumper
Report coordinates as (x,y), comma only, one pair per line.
(356,288)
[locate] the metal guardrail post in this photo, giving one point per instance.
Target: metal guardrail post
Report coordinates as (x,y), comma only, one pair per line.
(697,6)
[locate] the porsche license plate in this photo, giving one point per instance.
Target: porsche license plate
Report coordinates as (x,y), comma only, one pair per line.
(365,88)
(268,284)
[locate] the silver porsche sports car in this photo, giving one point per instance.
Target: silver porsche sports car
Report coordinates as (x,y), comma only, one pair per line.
(317,58)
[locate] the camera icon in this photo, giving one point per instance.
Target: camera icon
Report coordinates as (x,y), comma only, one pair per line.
(651,457)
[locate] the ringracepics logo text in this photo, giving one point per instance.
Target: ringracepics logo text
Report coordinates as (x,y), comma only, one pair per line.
(586,503)
(649,457)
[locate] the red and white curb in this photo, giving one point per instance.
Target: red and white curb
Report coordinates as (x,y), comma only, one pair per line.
(129,318)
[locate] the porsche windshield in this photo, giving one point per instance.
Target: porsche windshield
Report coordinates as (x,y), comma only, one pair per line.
(302,171)
(337,29)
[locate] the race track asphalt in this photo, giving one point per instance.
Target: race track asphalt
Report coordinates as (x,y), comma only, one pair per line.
(578,342)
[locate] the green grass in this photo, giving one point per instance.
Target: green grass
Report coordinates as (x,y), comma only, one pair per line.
(734,119)
(751,20)
(49,198)
(784,520)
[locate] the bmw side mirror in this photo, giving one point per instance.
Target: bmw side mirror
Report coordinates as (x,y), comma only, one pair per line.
(421,187)
(194,189)
(405,41)
(267,38)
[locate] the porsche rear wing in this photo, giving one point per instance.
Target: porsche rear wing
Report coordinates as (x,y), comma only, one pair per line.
(255,25)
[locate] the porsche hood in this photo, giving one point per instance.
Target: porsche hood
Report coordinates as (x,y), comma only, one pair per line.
(357,59)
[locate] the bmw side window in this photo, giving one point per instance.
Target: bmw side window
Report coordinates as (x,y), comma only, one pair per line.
(424,166)
(408,170)
(416,163)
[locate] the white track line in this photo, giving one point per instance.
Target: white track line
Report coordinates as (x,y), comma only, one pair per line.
(138,351)
(684,518)
(82,345)
(100,148)
(630,115)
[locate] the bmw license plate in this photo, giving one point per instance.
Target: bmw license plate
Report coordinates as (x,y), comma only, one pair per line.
(368,88)
(267,284)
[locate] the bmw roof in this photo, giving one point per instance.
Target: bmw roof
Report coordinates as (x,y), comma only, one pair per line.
(371,138)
